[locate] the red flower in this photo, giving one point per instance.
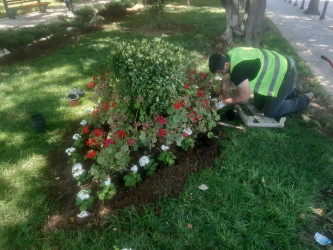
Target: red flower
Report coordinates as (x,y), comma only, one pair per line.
(186,135)
(113,104)
(161,120)
(131,142)
(91,142)
(204,103)
(107,72)
(91,153)
(200,93)
(95,77)
(120,134)
(91,85)
(187,86)
(202,75)
(86,129)
(105,106)
(178,104)
(98,132)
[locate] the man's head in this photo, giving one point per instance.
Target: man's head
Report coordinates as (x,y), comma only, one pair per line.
(219,63)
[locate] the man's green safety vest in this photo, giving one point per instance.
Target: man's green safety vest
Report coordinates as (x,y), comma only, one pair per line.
(272,70)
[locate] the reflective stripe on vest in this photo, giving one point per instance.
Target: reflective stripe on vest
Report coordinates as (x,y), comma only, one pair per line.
(272,69)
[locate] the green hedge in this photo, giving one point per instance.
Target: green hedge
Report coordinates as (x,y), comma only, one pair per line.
(14,39)
(153,71)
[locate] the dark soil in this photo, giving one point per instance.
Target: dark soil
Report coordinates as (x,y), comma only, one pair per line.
(167,181)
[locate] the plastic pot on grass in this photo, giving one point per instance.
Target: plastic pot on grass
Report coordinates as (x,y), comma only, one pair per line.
(73,99)
(38,123)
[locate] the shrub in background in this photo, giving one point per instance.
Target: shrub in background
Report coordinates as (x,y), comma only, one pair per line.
(84,15)
(113,10)
(155,9)
(150,73)
(14,39)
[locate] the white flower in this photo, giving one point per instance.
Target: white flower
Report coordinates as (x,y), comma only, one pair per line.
(83,214)
(83,194)
(218,78)
(69,151)
(144,160)
(77,170)
(83,122)
(187,131)
(107,182)
(76,137)
(163,147)
(134,168)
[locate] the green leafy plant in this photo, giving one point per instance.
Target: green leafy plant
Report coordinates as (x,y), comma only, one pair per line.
(155,9)
(84,200)
(113,10)
(108,190)
(167,158)
(188,142)
(149,72)
(151,167)
(132,178)
(84,15)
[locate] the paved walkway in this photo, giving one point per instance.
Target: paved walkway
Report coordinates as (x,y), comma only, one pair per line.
(34,18)
(310,36)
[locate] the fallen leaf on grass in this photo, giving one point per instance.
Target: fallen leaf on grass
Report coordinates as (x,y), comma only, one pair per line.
(318,211)
(189,226)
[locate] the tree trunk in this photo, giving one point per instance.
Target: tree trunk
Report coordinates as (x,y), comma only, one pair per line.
(313,8)
(232,12)
(253,17)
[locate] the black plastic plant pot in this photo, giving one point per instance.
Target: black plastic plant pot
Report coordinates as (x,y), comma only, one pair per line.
(38,123)
(73,99)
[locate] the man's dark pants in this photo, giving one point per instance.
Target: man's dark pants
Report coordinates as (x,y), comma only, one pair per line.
(286,101)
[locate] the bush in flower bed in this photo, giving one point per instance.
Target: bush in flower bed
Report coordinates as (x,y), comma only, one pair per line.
(151,71)
(120,142)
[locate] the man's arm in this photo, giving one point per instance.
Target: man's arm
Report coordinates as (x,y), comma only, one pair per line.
(226,85)
(243,94)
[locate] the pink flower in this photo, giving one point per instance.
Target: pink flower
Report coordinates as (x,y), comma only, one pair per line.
(131,142)
(109,141)
(186,135)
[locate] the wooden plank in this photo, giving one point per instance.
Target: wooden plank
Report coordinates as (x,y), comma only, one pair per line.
(258,119)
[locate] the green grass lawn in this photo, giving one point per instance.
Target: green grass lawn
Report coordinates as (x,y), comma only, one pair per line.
(261,189)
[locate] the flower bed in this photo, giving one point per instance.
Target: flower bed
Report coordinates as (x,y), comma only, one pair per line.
(124,140)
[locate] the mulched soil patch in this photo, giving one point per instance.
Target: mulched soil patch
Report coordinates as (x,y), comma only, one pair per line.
(167,181)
